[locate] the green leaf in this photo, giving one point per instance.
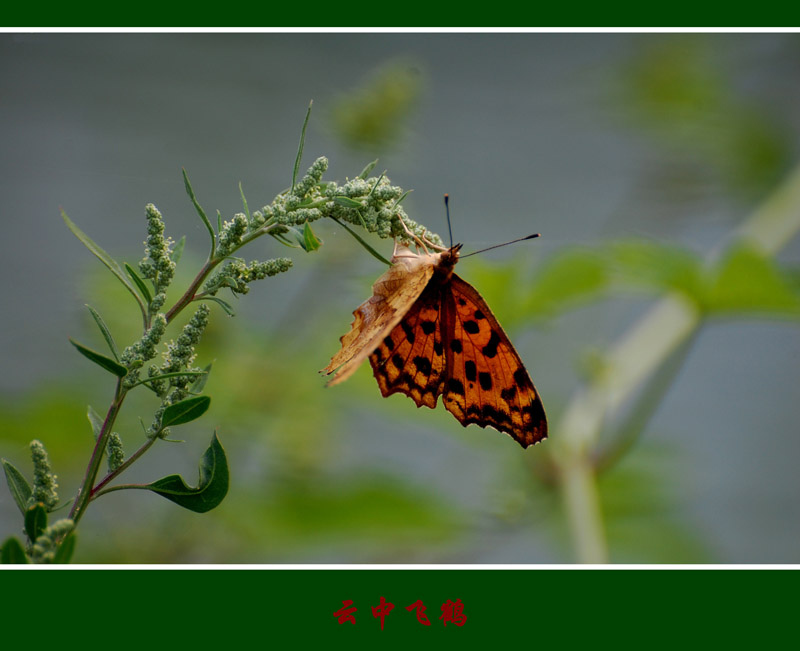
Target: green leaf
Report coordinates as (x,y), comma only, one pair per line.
(200,212)
(13,553)
(402,196)
(65,550)
(177,252)
(105,331)
(298,236)
(281,237)
(306,238)
(18,486)
(211,488)
(377,182)
(185,411)
(363,243)
(570,277)
(139,282)
(244,203)
(747,281)
(35,521)
(300,148)
(101,360)
(96,420)
(223,304)
(657,265)
(312,242)
(347,202)
(200,383)
(106,259)
(365,172)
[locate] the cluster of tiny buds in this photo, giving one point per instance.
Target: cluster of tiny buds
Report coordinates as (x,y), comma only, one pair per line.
(158,302)
(114,451)
(44,549)
(44,481)
(237,275)
(135,355)
(311,179)
(257,220)
(178,357)
(371,203)
(157,264)
(231,234)
(179,353)
(377,210)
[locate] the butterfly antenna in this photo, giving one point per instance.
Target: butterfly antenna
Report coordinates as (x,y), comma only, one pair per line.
(447,211)
(489,248)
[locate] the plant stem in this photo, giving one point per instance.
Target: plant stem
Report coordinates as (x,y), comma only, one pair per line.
(97,490)
(191,293)
(85,491)
(582,503)
(188,295)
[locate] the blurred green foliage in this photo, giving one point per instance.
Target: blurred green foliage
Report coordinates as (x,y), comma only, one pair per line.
(374,116)
(710,133)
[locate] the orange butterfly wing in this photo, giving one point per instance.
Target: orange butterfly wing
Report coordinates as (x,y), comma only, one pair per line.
(394,294)
(410,359)
(450,343)
(486,381)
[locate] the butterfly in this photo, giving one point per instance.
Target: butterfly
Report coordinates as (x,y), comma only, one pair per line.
(428,333)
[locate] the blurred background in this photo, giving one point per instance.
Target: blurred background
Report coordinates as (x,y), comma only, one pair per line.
(616,147)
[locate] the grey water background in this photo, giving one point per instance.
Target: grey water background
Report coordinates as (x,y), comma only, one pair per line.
(526,132)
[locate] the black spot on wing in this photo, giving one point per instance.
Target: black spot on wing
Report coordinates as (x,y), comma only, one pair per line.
(423,365)
(471,327)
(487,415)
(521,378)
(490,349)
(470,370)
(408,331)
(455,386)
(508,394)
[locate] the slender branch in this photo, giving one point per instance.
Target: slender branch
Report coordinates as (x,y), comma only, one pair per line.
(164,376)
(191,293)
(97,490)
(85,491)
(188,295)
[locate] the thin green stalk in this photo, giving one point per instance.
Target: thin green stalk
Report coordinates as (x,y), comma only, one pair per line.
(119,487)
(85,491)
(98,490)
(191,293)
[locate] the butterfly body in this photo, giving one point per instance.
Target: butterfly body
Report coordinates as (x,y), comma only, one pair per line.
(428,333)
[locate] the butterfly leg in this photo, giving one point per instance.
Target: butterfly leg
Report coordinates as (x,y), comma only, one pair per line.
(420,242)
